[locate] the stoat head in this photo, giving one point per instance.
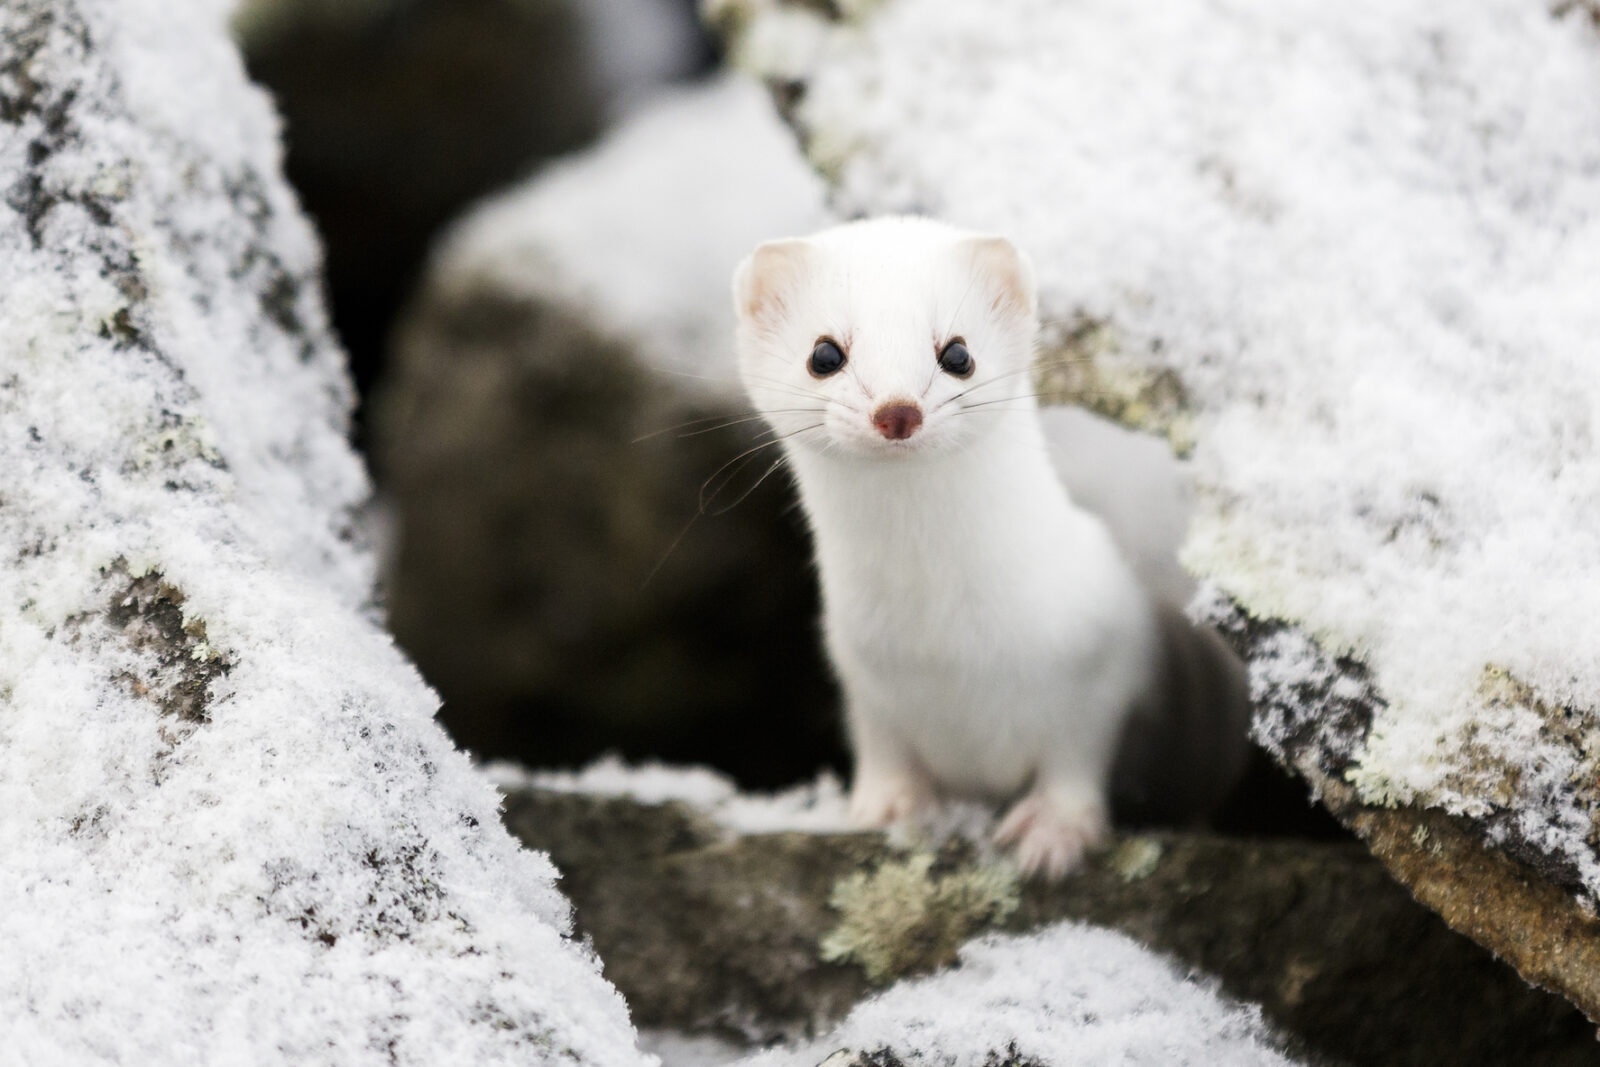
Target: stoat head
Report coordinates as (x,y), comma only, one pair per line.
(888,337)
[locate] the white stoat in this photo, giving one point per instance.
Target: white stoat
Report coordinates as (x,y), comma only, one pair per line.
(989,637)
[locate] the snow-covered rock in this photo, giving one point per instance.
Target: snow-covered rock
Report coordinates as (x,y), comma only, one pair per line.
(232,831)
(1343,256)
(1068,995)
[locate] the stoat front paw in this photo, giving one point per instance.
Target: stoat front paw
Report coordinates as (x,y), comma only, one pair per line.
(882,799)
(1052,833)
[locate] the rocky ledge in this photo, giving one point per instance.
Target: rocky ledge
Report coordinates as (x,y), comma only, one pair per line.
(759,936)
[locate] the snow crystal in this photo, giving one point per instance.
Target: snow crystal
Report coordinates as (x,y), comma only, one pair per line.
(233,833)
(1365,236)
(1068,995)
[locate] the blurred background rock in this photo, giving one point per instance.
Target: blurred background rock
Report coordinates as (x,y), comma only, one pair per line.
(561,406)
(400,112)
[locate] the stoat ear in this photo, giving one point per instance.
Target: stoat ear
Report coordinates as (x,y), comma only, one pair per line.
(764,279)
(1007,271)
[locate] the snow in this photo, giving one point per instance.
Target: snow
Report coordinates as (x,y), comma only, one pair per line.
(640,233)
(635,46)
(1365,236)
(303,870)
(690,1050)
(1067,995)
(818,806)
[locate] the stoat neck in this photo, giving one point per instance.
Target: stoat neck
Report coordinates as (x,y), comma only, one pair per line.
(998,496)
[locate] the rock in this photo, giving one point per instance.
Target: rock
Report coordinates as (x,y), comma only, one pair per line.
(402,112)
(1280,242)
(552,434)
(737,937)
(233,832)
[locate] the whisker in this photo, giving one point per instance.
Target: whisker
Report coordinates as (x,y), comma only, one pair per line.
(740,499)
(690,374)
(754,418)
(678,426)
(662,562)
(998,400)
(771,382)
(1029,369)
(1037,365)
(740,462)
(784,387)
(1070,400)
(721,422)
(706,500)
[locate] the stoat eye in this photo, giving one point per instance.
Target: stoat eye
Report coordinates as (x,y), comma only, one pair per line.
(956,360)
(825,359)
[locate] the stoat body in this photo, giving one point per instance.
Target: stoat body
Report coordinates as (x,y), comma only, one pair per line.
(989,637)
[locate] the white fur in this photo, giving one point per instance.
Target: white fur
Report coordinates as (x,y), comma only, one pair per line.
(989,637)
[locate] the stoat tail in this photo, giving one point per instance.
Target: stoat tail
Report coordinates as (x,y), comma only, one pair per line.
(1184,749)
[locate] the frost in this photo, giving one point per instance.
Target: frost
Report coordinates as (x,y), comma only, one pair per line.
(1069,995)
(233,833)
(1362,241)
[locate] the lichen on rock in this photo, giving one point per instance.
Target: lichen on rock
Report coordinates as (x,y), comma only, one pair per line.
(1080,363)
(905,916)
(1317,933)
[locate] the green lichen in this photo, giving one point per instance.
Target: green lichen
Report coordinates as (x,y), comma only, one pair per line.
(1482,775)
(1375,787)
(1083,363)
(1136,858)
(905,916)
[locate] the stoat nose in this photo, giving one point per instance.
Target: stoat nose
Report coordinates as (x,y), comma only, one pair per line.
(897,419)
